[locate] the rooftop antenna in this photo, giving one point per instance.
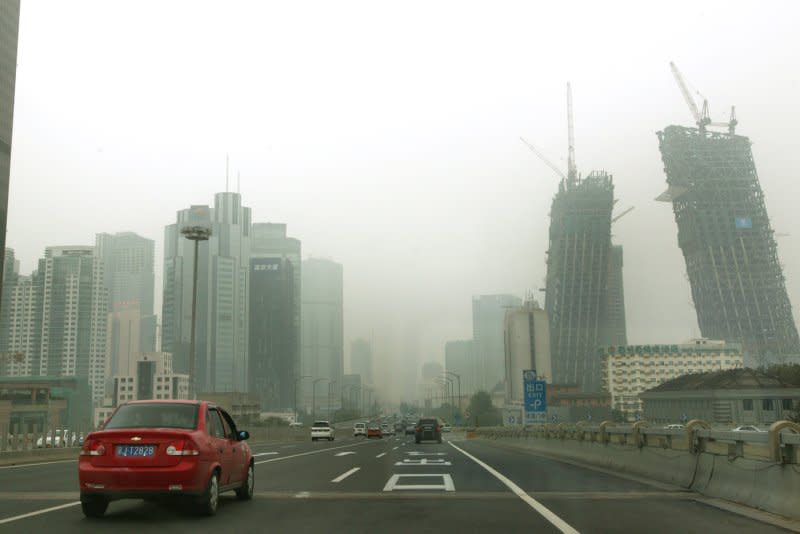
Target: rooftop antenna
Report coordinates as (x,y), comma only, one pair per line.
(572,171)
(238,183)
(226,173)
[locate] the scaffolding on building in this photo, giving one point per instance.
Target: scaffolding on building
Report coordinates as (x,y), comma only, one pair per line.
(724,233)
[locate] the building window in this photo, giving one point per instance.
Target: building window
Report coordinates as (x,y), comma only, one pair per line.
(766,404)
(787,404)
(747,405)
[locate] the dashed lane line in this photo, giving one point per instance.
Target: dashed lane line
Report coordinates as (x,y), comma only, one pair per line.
(345,475)
(381,455)
(38,512)
(545,512)
(320,451)
(264,454)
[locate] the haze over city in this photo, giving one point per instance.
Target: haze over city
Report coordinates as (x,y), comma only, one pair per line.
(386,138)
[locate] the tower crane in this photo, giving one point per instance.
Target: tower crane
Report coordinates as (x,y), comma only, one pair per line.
(621,215)
(572,170)
(544,159)
(701,117)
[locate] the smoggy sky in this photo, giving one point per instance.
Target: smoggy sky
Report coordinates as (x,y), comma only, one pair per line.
(386,136)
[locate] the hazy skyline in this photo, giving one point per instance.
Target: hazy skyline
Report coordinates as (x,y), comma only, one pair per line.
(386,137)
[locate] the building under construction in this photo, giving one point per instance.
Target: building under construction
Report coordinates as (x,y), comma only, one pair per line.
(578,271)
(726,239)
(584,293)
(725,236)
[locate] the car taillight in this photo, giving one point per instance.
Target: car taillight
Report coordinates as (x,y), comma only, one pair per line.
(93,447)
(418,429)
(182,448)
(438,428)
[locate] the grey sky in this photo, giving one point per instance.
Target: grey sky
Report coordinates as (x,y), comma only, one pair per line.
(386,135)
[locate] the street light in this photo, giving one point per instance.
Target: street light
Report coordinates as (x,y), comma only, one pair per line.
(330,398)
(196,234)
(458,378)
(314,396)
(296,380)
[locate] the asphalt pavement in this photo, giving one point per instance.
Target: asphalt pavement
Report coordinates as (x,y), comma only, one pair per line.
(389,485)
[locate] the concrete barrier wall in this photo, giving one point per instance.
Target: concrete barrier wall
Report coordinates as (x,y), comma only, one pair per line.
(753,473)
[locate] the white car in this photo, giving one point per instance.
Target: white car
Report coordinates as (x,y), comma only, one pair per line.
(322,430)
(296,424)
(359,429)
(675,426)
(51,440)
(748,428)
(446,428)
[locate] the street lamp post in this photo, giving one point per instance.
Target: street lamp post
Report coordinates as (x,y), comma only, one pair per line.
(314,396)
(458,378)
(296,380)
(330,398)
(196,234)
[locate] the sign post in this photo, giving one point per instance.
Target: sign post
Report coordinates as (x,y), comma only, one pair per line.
(535,397)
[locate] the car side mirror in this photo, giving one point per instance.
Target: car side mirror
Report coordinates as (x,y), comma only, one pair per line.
(243,435)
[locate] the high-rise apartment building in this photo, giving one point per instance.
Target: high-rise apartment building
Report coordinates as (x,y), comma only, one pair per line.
(9,32)
(20,320)
(222,294)
(275,284)
(129,269)
(527,346)
(322,327)
(488,316)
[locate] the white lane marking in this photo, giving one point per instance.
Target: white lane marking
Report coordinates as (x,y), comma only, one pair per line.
(345,453)
(556,521)
(38,512)
(345,474)
(395,448)
(303,495)
(446,485)
(17,466)
(320,451)
(265,454)
(424,462)
(381,455)
(415,453)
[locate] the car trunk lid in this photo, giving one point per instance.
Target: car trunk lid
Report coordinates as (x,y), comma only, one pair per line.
(132,447)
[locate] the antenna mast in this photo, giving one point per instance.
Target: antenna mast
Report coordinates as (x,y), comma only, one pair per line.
(572,172)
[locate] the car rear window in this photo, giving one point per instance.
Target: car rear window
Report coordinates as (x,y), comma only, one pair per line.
(155,415)
(427,421)
(321,423)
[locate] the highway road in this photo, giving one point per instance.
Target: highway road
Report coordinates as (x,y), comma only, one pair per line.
(389,485)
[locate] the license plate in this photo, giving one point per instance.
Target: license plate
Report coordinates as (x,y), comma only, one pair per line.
(136,450)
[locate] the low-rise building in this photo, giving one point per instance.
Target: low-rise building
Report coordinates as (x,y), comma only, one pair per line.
(244,407)
(38,403)
(731,397)
(630,370)
(153,378)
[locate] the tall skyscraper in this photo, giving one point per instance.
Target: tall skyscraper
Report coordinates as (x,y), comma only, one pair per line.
(222,294)
(129,269)
(322,325)
(9,32)
(275,284)
(20,320)
(361,360)
(488,316)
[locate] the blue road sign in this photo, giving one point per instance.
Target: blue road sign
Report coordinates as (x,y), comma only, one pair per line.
(535,393)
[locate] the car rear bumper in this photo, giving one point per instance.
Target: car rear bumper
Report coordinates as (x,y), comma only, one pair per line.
(428,436)
(187,477)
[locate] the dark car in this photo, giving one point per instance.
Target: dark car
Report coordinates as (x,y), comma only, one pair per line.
(148,449)
(428,429)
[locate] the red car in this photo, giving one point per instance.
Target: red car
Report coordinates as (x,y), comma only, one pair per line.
(150,449)
(374,431)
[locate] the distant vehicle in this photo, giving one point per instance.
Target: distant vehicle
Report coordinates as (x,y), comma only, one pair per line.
(428,429)
(374,431)
(747,428)
(399,427)
(387,430)
(322,430)
(296,424)
(52,440)
(359,429)
(675,426)
(410,429)
(446,427)
(169,448)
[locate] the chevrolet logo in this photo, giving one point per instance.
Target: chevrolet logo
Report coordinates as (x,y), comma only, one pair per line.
(136,438)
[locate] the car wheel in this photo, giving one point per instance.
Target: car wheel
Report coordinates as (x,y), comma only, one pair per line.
(245,492)
(210,499)
(94,506)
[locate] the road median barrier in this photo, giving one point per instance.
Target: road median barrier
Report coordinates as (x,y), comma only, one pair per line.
(757,469)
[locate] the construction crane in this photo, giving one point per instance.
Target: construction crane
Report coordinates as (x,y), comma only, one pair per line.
(544,159)
(621,215)
(701,117)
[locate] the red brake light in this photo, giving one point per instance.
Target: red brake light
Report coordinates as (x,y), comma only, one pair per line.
(182,448)
(438,428)
(93,447)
